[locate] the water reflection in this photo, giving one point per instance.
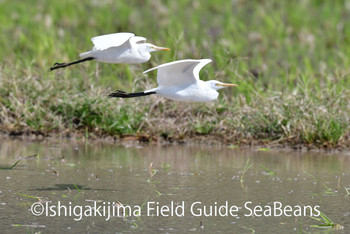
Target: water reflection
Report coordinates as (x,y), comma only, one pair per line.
(81,173)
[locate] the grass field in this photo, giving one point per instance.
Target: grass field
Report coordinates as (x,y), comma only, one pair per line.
(290,59)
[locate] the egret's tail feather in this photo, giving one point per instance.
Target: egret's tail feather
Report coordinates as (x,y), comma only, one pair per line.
(123,94)
(61,65)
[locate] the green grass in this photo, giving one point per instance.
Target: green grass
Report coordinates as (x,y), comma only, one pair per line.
(245,169)
(290,59)
(10,167)
(15,164)
(326,223)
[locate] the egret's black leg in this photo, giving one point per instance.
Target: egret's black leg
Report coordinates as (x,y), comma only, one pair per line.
(123,94)
(61,65)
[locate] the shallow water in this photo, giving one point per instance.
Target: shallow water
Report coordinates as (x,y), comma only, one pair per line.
(87,178)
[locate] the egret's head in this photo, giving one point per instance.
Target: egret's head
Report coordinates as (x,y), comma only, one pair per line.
(214,84)
(152,48)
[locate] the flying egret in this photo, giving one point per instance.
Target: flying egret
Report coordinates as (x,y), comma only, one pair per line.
(116,48)
(179,81)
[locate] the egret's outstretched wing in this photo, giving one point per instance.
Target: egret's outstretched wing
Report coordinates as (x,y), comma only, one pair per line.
(179,73)
(110,40)
(137,40)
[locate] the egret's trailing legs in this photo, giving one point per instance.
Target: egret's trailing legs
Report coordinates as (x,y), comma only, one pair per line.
(123,94)
(60,65)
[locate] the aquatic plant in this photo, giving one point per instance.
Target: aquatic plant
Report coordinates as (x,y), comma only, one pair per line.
(326,222)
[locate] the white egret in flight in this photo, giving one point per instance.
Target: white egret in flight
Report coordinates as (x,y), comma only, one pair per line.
(179,81)
(116,48)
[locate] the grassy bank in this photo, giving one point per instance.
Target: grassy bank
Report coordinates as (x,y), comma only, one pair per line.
(290,59)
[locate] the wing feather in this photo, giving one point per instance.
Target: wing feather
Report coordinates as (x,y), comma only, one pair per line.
(179,73)
(110,40)
(137,40)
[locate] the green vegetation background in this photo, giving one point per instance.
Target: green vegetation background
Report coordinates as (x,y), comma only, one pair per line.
(290,59)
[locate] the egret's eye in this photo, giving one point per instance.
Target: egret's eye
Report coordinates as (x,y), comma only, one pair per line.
(217,84)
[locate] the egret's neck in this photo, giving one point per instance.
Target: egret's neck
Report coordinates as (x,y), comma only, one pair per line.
(144,52)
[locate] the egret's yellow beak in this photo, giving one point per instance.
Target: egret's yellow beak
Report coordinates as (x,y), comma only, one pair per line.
(227,85)
(160,48)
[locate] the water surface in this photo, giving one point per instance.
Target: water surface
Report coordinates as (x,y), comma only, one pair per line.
(73,174)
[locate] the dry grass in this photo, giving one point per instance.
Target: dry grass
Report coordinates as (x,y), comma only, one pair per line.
(290,61)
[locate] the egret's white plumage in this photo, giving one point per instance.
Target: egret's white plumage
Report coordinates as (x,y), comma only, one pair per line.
(117,48)
(110,40)
(179,81)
